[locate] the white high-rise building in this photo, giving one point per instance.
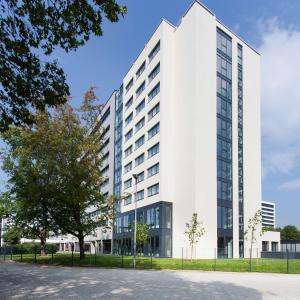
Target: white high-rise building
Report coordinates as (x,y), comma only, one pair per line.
(187,123)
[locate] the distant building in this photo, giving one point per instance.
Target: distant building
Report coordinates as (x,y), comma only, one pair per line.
(268,214)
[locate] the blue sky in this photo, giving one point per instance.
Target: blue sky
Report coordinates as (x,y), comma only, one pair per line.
(271,26)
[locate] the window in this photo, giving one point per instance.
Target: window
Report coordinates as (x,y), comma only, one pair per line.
(224,191)
(129,103)
(240,54)
(154,51)
(224,42)
(128,135)
(153,217)
(140,195)
(128,119)
(128,168)
(140,177)
(140,142)
(153,131)
(127,200)
(224,87)
(153,190)
(140,89)
(128,183)
(224,128)
(224,108)
(224,149)
(139,124)
(128,151)
(154,72)
(129,85)
(140,159)
(153,150)
(224,217)
(154,111)
(105,115)
(223,67)
(140,107)
(224,169)
(154,92)
(153,170)
(140,70)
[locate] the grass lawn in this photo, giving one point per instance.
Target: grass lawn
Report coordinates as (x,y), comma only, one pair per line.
(108,261)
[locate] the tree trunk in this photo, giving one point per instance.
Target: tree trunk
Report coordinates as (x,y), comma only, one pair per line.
(81,246)
(192,247)
(43,245)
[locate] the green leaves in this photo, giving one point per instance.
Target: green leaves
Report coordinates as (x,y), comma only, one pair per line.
(32,29)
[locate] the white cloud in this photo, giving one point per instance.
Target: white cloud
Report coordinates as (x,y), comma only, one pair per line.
(280,51)
(290,185)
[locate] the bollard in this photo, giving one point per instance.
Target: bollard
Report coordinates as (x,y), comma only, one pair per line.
(72,257)
(21,253)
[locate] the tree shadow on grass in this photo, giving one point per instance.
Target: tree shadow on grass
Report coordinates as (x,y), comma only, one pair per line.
(24,281)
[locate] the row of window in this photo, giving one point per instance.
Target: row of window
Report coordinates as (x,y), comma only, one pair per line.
(224,217)
(151,171)
(140,159)
(140,195)
(151,132)
(142,68)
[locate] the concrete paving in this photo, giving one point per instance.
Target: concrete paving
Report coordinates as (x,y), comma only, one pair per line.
(25,281)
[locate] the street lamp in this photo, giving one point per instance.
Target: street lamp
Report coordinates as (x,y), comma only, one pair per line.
(135,221)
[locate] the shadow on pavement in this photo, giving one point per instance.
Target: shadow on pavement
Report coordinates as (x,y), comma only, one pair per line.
(24,281)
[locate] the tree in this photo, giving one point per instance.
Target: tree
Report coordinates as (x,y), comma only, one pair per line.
(12,235)
(194,231)
(142,234)
(253,227)
(290,232)
(29,32)
(30,173)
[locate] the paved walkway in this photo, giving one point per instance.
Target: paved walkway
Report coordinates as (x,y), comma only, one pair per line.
(24,281)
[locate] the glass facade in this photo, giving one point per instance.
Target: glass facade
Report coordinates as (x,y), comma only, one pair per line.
(158,216)
(118,146)
(240,150)
(224,144)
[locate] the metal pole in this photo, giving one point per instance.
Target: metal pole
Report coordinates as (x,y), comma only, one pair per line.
(72,257)
(182,258)
(52,254)
(215,264)
(135,222)
(287,261)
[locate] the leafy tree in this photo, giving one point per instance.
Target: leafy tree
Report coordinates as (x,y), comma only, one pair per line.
(194,231)
(253,230)
(12,236)
(142,234)
(26,162)
(290,232)
(89,108)
(29,32)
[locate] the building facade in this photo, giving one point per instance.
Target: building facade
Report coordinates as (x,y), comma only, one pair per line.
(268,214)
(187,124)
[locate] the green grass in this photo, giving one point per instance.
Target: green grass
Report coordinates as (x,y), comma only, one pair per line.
(108,261)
